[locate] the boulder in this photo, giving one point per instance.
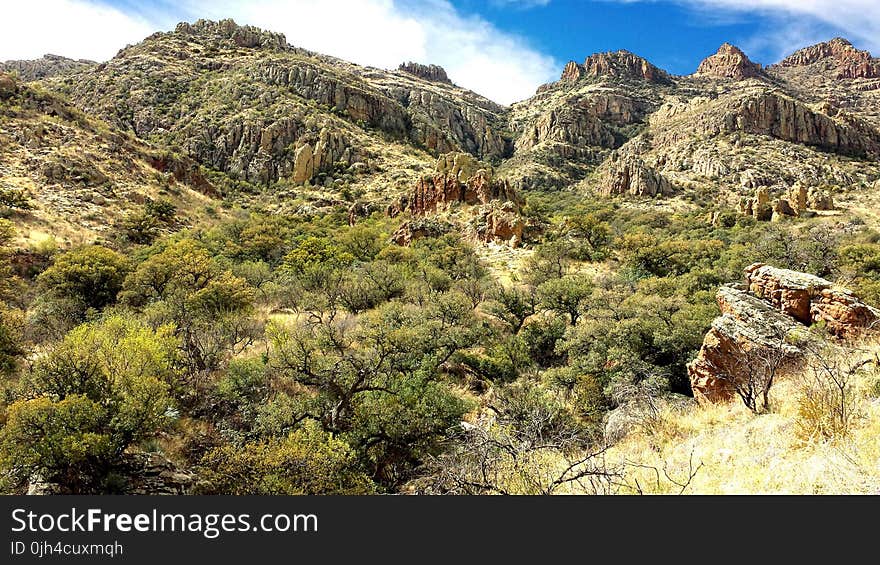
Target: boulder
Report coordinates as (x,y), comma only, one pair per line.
(767,317)
(8,86)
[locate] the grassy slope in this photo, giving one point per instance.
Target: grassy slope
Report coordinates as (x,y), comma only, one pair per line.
(736,452)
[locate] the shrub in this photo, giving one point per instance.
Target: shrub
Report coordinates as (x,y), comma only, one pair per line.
(306,462)
(92,275)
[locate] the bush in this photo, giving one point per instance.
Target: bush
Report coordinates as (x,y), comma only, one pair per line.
(306,462)
(92,275)
(101,390)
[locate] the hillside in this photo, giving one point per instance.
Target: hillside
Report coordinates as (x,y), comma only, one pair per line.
(229,265)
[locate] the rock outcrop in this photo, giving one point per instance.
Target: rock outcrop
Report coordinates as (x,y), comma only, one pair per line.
(8,86)
(795,201)
(729,62)
(784,118)
(433,73)
(623,64)
(766,318)
(810,299)
(229,31)
(838,57)
(462,180)
(627,174)
(45,67)
(747,327)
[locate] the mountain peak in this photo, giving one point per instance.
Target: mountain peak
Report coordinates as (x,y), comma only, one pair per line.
(229,31)
(729,62)
(837,56)
(433,73)
(618,64)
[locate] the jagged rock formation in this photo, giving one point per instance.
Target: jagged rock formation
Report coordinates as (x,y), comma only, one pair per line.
(837,57)
(729,62)
(433,73)
(796,201)
(228,31)
(627,174)
(45,67)
(462,180)
(623,64)
(765,317)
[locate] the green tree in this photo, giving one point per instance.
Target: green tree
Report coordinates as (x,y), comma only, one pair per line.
(566,295)
(91,275)
(209,307)
(104,388)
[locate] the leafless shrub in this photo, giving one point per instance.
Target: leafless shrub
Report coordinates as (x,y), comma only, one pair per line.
(827,399)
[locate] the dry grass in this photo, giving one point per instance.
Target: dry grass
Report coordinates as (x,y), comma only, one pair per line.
(736,452)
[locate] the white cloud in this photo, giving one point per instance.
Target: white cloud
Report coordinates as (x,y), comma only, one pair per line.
(524,4)
(73,28)
(379,33)
(797,23)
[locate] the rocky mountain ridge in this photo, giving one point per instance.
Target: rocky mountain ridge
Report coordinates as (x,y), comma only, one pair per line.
(243,102)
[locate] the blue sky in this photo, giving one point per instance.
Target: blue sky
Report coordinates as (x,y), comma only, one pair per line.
(503,49)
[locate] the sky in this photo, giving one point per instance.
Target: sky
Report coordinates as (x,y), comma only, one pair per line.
(502,49)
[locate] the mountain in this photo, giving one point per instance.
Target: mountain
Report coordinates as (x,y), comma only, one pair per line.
(45,67)
(79,178)
(242,102)
(219,252)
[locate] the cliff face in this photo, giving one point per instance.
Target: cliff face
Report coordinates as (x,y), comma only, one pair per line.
(837,57)
(461,180)
(624,174)
(762,319)
(729,62)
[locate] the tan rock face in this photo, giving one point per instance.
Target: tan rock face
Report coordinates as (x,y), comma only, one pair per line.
(810,299)
(789,120)
(461,179)
(838,56)
(503,224)
(626,174)
(729,62)
(433,73)
(759,317)
(572,72)
(623,64)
